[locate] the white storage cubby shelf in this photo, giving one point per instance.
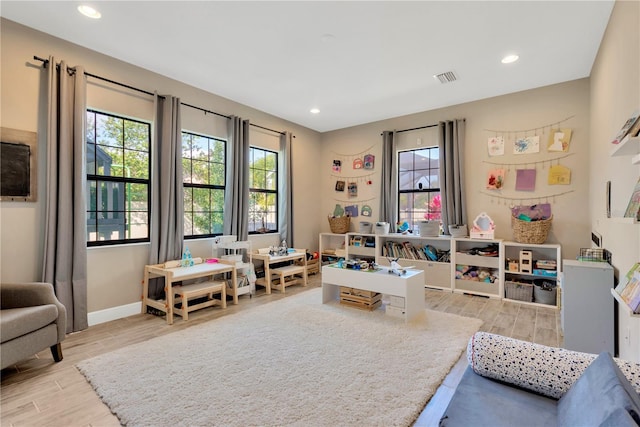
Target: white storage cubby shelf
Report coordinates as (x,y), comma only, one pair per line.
(361,246)
(332,247)
(478,273)
(348,246)
(410,251)
(540,253)
(238,250)
(465,255)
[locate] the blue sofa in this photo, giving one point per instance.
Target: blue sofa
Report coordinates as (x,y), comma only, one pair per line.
(516,383)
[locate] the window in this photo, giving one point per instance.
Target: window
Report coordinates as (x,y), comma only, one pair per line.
(263,191)
(203,169)
(419,186)
(118,186)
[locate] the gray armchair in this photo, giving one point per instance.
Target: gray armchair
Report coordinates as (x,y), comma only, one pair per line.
(31,319)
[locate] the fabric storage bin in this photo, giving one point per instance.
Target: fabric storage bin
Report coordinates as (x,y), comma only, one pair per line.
(365,227)
(429,228)
(518,291)
(382,228)
(457,230)
(544,292)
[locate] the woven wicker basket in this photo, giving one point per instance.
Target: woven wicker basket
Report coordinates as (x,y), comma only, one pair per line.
(339,224)
(518,291)
(534,232)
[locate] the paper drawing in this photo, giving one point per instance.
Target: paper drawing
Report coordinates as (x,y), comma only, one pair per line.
(495,179)
(369,160)
(559,175)
(526,180)
(352,189)
(337,166)
(495,145)
(527,145)
(559,140)
(351,210)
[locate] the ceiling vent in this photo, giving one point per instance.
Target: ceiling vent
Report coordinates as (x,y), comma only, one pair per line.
(447,77)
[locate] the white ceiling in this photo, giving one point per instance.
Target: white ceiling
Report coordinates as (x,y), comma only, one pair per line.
(357,61)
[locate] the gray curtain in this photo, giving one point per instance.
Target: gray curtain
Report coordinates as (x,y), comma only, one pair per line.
(65,228)
(167,194)
(388,187)
(452,187)
(236,198)
(285,190)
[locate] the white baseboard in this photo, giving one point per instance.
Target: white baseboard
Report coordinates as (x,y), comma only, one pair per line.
(108,314)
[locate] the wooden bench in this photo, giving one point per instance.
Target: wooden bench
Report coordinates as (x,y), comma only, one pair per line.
(183,293)
(287,276)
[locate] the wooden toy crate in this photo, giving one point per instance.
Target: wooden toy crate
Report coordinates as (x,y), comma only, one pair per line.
(313,265)
(364,300)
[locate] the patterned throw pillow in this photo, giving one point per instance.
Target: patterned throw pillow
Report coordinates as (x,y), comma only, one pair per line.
(550,371)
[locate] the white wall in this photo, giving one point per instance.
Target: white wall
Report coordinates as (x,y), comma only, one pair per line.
(115,273)
(536,108)
(615,94)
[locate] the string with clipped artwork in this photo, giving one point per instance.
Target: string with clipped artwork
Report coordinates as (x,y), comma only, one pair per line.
(352,176)
(519,177)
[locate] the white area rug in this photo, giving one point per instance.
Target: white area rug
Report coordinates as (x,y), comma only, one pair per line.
(291,362)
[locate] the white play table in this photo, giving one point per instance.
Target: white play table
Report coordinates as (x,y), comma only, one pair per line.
(410,286)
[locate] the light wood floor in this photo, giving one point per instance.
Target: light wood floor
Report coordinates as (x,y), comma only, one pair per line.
(39,392)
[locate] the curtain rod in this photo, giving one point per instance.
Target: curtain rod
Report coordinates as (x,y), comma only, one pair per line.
(420,127)
(46,61)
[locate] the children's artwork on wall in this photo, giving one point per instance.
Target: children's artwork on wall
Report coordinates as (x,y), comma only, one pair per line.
(351,210)
(495,144)
(527,145)
(338,210)
(353,189)
(337,166)
(559,175)
(358,163)
(340,185)
(559,140)
(369,160)
(366,210)
(495,179)
(526,180)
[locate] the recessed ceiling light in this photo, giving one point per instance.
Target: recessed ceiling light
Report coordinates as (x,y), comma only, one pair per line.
(509,59)
(89,11)
(314,111)
(327,38)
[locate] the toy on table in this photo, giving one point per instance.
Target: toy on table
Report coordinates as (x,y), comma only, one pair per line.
(187,259)
(402,227)
(396,268)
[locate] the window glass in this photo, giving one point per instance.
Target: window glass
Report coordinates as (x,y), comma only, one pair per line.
(204,176)
(118,186)
(263,191)
(419,196)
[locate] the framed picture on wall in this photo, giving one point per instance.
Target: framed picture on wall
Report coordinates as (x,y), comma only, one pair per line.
(18,165)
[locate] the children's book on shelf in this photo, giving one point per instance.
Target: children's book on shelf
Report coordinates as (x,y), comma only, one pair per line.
(626,127)
(633,208)
(629,288)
